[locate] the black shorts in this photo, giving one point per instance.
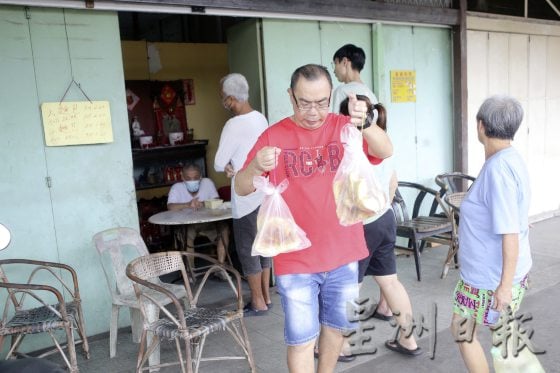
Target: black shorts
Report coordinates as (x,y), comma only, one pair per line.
(380,239)
(244,232)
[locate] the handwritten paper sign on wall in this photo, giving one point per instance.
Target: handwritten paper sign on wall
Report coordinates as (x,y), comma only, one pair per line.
(75,123)
(403,86)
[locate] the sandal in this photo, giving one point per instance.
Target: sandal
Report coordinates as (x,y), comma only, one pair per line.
(380,316)
(397,347)
(341,358)
(248,311)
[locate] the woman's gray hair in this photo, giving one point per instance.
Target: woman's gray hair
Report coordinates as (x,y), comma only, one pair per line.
(501,116)
(236,86)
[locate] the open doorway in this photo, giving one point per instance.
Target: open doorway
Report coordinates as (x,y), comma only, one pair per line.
(172,65)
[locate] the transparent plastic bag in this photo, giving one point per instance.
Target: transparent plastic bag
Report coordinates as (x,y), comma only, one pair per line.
(507,337)
(357,192)
(277,231)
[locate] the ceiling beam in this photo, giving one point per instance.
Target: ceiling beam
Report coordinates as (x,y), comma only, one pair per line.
(357,10)
(360,9)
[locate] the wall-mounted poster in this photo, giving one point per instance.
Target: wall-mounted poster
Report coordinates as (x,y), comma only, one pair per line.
(77,123)
(403,86)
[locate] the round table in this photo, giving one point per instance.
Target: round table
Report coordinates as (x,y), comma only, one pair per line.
(190,216)
(185,217)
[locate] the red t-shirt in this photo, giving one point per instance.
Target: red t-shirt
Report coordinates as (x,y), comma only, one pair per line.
(309,160)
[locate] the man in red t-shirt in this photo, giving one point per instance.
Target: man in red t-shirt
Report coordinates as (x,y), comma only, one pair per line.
(315,283)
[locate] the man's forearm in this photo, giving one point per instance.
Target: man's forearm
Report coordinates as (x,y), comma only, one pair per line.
(379,144)
(177,206)
(244,180)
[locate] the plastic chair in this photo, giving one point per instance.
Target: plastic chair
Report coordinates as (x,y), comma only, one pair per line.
(116,248)
(417,228)
(190,324)
(38,306)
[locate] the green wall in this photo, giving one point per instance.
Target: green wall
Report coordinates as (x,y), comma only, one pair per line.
(421,131)
(91,185)
(245,57)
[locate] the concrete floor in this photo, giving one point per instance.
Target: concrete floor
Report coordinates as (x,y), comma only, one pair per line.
(266,332)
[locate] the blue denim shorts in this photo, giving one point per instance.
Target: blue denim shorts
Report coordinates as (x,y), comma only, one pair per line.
(311,300)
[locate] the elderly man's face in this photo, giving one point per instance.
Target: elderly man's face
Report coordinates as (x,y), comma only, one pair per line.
(191,175)
(226,100)
(310,100)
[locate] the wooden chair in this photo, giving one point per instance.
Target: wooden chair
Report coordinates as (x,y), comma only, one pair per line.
(38,306)
(116,248)
(190,324)
(419,227)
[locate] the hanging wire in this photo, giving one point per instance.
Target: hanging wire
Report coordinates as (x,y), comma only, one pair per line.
(73,81)
(67,43)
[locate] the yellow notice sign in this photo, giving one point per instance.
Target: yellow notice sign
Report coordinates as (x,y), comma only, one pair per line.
(403,86)
(75,123)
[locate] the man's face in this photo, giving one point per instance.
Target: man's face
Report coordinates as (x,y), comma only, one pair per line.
(310,100)
(191,175)
(339,67)
(226,100)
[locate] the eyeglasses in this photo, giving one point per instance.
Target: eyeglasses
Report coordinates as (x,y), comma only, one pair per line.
(305,106)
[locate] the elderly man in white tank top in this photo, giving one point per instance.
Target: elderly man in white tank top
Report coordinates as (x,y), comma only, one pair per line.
(238,137)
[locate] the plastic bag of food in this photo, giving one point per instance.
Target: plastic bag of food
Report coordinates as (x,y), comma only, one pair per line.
(510,353)
(357,192)
(277,231)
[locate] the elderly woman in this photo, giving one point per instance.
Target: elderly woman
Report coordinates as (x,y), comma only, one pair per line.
(495,256)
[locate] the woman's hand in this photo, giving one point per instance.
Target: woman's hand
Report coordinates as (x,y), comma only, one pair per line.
(502,298)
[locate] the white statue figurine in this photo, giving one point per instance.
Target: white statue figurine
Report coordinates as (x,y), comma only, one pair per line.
(137,130)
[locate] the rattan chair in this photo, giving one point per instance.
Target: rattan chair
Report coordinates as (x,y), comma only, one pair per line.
(191,324)
(38,306)
(116,248)
(453,185)
(453,182)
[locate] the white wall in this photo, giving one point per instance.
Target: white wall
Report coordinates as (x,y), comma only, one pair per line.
(520,58)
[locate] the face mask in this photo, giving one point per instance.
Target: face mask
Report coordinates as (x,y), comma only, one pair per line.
(192,185)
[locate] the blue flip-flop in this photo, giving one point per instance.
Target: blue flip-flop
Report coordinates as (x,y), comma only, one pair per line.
(248,311)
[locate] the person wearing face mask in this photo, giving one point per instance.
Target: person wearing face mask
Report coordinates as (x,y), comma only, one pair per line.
(191,194)
(238,137)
